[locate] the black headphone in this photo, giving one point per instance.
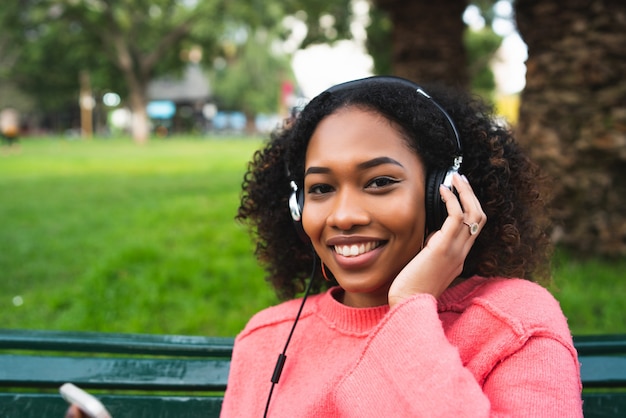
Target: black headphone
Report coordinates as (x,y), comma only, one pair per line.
(436,212)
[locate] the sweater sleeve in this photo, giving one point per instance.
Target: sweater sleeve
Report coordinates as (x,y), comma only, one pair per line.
(409,368)
(540,380)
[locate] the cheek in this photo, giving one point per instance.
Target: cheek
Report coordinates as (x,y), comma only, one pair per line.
(312,223)
(406,218)
(406,221)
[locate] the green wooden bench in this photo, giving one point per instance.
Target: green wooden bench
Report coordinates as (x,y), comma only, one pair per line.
(603,372)
(162,376)
(134,375)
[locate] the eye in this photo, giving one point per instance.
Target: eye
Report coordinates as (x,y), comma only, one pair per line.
(320,189)
(381,182)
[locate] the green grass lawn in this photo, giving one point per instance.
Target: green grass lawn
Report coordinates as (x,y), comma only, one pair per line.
(110,236)
(592,293)
(106,235)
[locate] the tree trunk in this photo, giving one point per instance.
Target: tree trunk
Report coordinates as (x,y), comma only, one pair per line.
(140,127)
(573,115)
(428,40)
(138,100)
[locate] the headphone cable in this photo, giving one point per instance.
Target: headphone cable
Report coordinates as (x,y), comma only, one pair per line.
(278,369)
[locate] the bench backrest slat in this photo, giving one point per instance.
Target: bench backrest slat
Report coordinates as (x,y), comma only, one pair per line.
(115,373)
(600,344)
(93,342)
(603,371)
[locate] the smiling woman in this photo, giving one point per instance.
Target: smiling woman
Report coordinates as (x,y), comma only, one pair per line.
(426,220)
(363,196)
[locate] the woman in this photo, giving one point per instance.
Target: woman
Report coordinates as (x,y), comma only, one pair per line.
(424,218)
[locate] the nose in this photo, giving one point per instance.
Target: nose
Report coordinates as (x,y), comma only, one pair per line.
(348,210)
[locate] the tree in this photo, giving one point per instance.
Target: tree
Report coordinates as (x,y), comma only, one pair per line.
(145,38)
(138,40)
(427,40)
(131,41)
(438,46)
(45,58)
(40,70)
(250,76)
(573,115)
(134,41)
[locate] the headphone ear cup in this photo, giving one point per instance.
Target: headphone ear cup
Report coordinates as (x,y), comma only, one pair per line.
(436,212)
(300,200)
(296,206)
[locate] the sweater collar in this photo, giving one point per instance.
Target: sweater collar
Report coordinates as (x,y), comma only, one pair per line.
(347,319)
(461,291)
(357,321)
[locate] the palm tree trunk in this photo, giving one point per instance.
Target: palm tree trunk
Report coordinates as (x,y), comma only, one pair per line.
(427,40)
(573,115)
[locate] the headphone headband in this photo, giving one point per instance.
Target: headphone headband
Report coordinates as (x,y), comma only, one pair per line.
(387,80)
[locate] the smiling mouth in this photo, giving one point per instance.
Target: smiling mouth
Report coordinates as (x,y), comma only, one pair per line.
(356,249)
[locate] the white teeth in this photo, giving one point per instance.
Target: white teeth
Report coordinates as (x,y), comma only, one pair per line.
(354,250)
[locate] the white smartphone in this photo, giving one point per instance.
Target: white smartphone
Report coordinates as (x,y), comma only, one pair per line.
(87,403)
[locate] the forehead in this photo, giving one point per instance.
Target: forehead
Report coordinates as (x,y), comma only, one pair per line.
(353,134)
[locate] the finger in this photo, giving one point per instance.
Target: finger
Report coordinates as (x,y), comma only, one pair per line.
(466,194)
(451,200)
(451,227)
(453,231)
(473,211)
(465,214)
(74,412)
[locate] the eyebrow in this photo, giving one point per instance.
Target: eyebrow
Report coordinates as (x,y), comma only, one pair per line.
(374,162)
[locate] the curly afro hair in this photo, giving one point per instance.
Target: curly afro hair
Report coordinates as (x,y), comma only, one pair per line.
(513,243)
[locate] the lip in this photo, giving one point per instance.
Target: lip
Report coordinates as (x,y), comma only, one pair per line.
(350,240)
(358,261)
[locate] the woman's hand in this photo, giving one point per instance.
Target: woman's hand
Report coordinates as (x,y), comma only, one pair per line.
(441,260)
(74,412)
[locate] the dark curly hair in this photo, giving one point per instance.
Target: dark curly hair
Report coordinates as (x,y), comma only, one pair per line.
(513,243)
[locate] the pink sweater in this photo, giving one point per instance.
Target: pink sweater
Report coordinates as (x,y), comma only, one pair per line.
(487,347)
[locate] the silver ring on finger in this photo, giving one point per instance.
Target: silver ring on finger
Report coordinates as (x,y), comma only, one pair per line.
(473,227)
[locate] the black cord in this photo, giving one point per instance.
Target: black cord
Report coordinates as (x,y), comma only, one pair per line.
(278,369)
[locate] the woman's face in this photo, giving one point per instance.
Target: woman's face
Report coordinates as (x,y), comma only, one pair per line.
(364,202)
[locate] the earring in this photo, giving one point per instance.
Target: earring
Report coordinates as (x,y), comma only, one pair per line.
(324,273)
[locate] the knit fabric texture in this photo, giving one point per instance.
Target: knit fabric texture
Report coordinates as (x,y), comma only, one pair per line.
(487,347)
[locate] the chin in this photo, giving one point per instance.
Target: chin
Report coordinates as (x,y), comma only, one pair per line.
(363,289)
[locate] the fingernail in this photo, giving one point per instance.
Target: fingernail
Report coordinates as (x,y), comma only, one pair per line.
(464,178)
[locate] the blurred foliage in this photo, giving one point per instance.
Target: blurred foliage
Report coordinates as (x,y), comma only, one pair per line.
(379,40)
(481,46)
(236,87)
(42,55)
(45,44)
(326,20)
(122,45)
